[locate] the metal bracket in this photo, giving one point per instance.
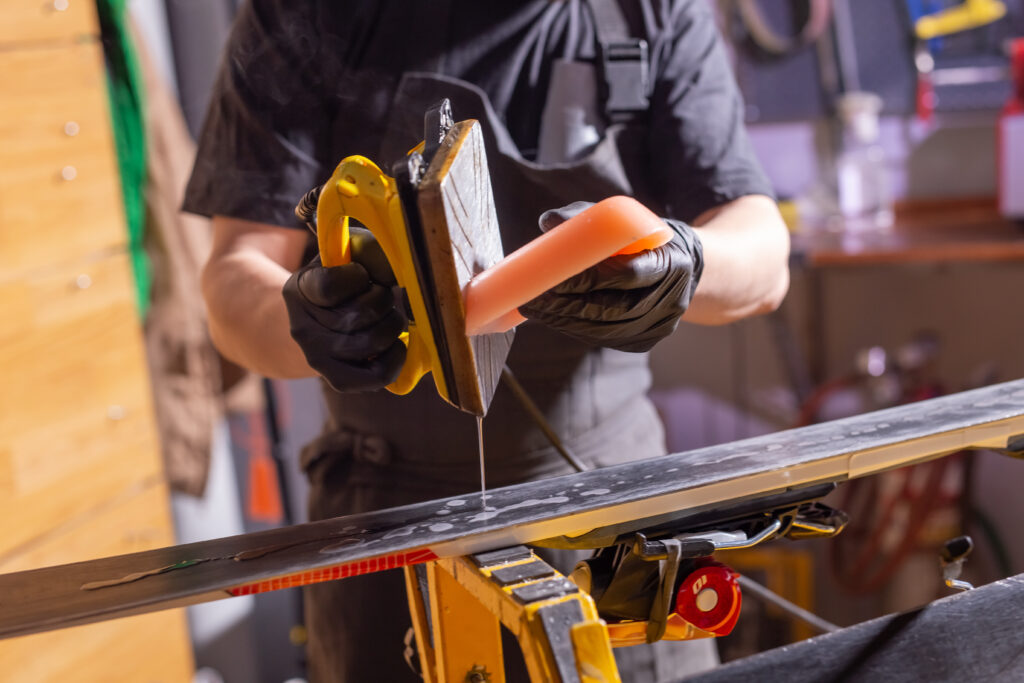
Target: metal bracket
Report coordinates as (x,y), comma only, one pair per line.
(734,540)
(1014,446)
(954,554)
(437,121)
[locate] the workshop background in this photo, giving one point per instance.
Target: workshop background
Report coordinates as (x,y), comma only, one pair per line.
(899,162)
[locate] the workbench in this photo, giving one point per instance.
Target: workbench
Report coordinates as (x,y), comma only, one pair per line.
(952,231)
(939,234)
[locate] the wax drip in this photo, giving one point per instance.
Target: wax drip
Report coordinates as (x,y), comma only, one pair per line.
(480,448)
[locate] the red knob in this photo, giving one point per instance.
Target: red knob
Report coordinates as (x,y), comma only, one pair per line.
(710,599)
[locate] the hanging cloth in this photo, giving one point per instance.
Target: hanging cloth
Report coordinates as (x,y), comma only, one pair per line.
(124,87)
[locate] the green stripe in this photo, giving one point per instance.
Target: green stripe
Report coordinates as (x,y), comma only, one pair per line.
(125,90)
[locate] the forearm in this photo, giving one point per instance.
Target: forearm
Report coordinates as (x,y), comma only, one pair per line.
(746,253)
(247,316)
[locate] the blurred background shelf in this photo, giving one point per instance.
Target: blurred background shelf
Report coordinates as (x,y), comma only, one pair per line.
(925,231)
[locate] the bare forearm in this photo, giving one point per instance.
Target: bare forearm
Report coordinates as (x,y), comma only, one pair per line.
(746,252)
(247,316)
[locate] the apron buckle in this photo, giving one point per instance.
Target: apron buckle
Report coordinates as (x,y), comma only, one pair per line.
(625,69)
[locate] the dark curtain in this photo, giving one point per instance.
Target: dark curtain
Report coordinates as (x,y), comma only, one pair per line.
(198,30)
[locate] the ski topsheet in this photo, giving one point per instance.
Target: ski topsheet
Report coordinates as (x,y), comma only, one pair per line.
(620,497)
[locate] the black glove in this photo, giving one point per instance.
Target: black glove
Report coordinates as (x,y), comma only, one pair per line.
(347,318)
(627,302)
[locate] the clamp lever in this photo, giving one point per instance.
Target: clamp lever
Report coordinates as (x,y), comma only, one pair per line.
(954,554)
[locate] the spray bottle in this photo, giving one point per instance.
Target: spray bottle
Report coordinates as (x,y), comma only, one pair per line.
(1010,139)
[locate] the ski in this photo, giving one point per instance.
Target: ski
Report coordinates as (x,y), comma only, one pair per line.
(589,509)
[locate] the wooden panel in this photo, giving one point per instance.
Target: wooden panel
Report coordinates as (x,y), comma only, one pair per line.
(60,198)
(460,229)
(152,647)
(80,470)
(27,21)
(76,425)
(137,520)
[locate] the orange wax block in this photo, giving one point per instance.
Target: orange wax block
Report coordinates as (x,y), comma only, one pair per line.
(617,225)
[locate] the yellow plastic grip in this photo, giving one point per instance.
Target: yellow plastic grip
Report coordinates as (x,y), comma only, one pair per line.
(359,189)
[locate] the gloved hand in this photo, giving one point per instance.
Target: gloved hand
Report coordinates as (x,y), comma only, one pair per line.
(347,318)
(627,302)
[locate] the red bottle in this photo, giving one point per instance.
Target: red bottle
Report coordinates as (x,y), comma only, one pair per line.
(1010,138)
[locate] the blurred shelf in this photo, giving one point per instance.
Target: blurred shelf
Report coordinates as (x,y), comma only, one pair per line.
(943,231)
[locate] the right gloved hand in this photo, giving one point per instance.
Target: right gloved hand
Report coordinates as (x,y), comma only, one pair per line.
(627,302)
(346,319)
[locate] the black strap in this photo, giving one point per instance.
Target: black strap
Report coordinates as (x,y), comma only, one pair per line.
(665,599)
(609,21)
(624,62)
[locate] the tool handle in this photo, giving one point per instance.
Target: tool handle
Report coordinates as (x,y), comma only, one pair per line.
(962,17)
(359,189)
(617,225)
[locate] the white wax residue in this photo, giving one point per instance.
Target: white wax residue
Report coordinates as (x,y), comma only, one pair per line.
(343,545)
(494,512)
(455,503)
(596,492)
(398,533)
(440,527)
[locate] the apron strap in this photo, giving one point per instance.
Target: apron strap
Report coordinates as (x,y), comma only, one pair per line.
(624,63)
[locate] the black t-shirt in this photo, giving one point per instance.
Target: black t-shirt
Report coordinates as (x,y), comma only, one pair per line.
(304,84)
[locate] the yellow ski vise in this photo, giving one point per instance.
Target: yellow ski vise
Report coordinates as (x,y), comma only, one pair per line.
(435,245)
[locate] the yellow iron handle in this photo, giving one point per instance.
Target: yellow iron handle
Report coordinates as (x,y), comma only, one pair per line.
(359,189)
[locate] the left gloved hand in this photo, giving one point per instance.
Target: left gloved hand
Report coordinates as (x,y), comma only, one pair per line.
(347,320)
(628,302)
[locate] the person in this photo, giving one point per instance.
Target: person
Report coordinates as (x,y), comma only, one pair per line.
(305,84)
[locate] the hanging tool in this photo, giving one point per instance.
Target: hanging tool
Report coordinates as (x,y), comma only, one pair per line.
(965,16)
(929,29)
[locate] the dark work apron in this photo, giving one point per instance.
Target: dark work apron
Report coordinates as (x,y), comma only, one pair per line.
(379,450)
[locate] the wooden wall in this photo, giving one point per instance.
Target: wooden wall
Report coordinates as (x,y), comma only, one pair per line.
(80,471)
